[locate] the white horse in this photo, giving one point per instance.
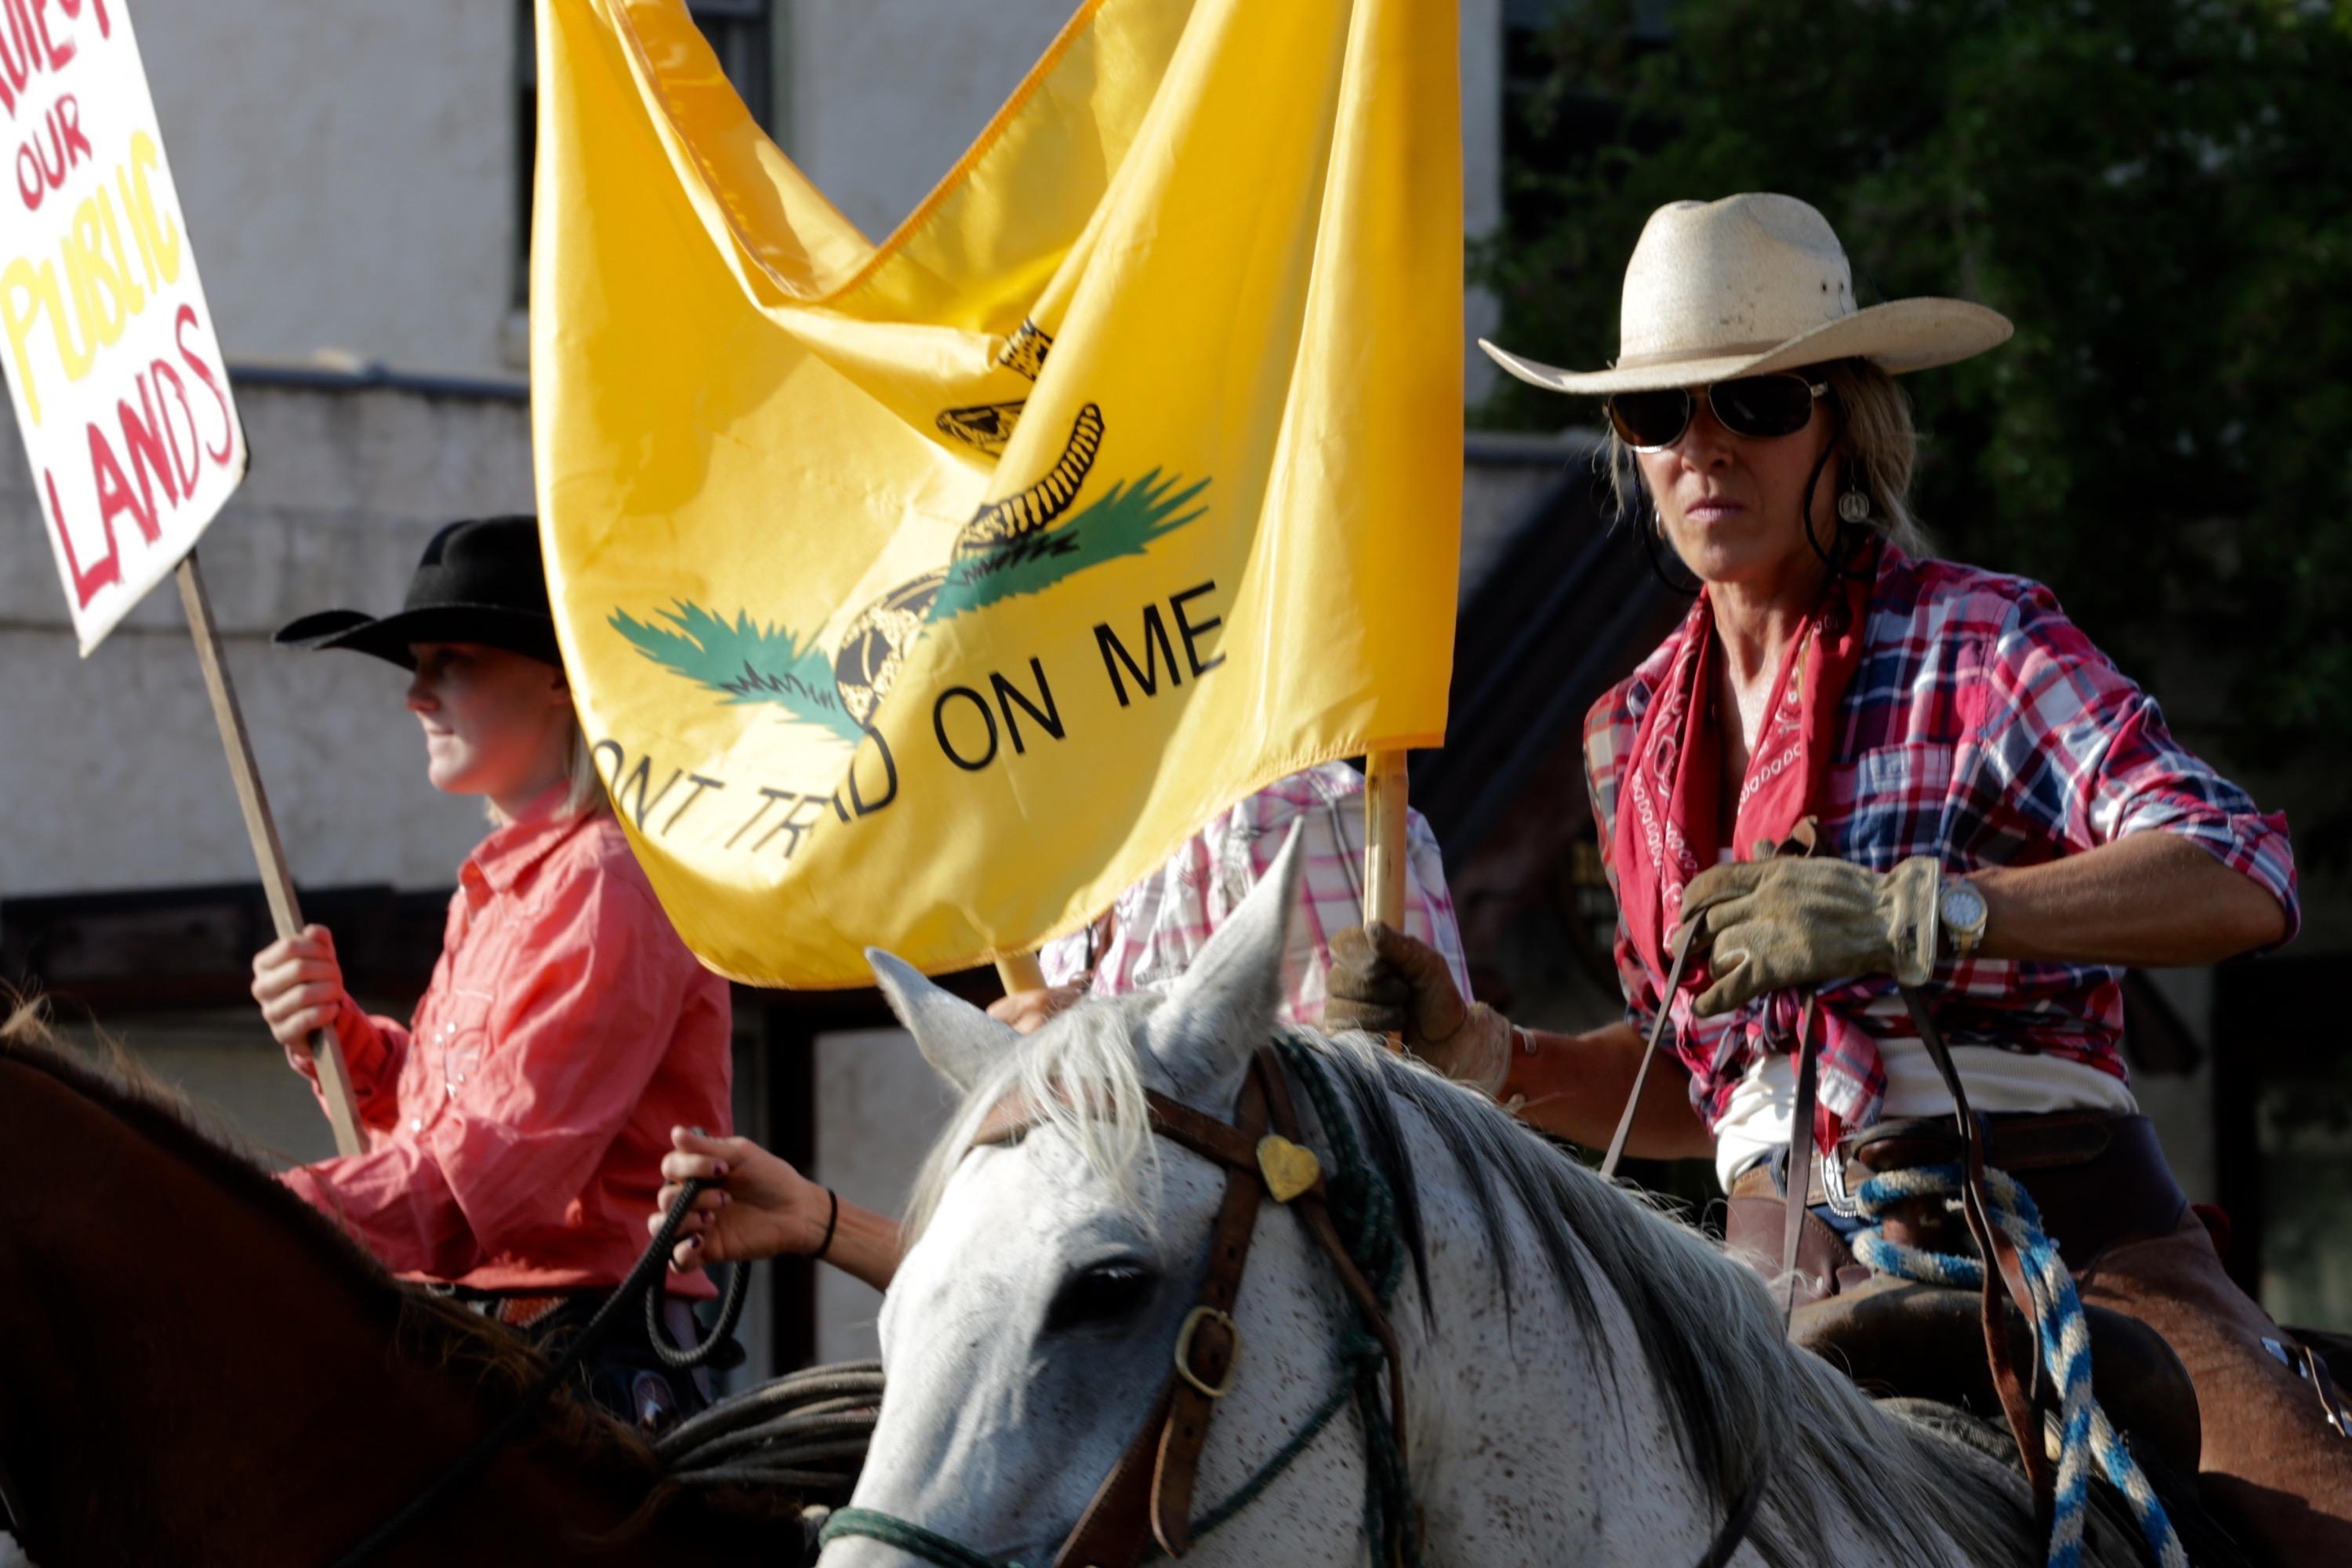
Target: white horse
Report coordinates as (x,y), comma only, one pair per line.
(1588,1381)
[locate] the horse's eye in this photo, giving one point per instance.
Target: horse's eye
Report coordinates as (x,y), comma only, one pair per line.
(1103,1293)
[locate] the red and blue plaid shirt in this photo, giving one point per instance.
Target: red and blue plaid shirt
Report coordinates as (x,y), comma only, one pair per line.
(1982,727)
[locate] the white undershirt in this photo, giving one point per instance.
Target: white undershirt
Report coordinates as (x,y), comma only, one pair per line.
(1757,1120)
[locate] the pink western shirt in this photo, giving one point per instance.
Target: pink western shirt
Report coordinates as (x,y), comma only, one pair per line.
(516,1128)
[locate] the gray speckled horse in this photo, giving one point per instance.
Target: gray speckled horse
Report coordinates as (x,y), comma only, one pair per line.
(1587,1380)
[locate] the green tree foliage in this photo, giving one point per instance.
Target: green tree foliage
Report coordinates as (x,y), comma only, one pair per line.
(2157,192)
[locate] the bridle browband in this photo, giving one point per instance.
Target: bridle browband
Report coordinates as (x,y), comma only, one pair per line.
(1147,1497)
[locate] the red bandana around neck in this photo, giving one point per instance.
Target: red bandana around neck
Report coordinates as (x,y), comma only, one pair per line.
(1669,811)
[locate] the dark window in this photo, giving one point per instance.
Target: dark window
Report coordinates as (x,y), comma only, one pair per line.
(740,33)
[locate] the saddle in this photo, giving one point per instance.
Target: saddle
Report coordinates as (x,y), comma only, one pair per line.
(2099,1180)
(1899,1340)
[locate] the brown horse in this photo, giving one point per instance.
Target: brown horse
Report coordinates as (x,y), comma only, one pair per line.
(195,1367)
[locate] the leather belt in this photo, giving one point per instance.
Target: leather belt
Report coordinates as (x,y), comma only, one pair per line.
(2099,1180)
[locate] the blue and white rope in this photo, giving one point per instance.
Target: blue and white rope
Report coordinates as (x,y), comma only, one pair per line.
(2085,1432)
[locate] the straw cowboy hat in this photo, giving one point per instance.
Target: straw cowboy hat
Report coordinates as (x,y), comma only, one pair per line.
(1750,284)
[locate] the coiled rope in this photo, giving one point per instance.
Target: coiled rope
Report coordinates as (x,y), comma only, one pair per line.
(2084,1431)
(807,1432)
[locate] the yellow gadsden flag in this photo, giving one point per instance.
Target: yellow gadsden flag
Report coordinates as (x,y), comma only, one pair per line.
(927,594)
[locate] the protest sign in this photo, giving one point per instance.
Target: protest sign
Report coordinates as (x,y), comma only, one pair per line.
(121,391)
(123,397)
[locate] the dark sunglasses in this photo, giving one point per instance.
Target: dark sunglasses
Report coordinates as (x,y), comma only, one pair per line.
(1760,407)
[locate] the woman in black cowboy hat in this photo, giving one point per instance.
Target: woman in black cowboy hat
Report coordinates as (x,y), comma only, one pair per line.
(516,1122)
(2001,821)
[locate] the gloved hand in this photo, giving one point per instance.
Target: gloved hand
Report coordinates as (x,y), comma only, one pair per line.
(1791,920)
(1386,982)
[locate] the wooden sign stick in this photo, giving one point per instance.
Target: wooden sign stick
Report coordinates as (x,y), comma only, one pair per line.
(276,883)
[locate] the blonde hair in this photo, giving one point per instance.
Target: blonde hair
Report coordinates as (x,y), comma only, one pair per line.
(585,794)
(1878,443)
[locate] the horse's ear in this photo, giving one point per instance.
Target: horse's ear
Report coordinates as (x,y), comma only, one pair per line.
(957,1038)
(1223,1006)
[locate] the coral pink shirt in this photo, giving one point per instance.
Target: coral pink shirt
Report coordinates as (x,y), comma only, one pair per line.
(516,1128)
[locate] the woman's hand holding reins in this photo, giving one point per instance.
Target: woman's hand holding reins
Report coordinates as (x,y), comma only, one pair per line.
(299,985)
(756,1206)
(759,1206)
(1386,982)
(1796,921)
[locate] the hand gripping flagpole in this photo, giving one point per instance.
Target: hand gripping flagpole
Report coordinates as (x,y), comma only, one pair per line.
(277,882)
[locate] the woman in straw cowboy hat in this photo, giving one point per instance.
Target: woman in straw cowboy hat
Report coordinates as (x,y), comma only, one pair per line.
(2003,821)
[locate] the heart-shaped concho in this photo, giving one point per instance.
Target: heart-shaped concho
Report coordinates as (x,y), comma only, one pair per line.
(1289,1168)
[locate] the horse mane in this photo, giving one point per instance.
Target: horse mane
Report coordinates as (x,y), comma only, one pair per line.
(1749,1409)
(428,1329)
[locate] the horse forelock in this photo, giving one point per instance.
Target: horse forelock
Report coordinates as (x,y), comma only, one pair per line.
(1088,1056)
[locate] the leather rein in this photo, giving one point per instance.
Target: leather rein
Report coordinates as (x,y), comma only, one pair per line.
(1146,1499)
(2020,1391)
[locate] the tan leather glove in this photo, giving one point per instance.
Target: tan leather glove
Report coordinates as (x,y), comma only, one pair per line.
(1386,982)
(1794,922)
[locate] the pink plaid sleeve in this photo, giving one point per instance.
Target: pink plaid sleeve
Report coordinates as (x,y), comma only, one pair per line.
(2083,755)
(1157,927)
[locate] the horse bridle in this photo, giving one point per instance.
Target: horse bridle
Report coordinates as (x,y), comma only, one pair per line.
(1148,1496)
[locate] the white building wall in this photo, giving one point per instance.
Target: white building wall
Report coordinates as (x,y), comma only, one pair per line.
(116,771)
(350,168)
(883,96)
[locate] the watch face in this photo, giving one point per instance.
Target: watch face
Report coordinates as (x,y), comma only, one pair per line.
(1963,906)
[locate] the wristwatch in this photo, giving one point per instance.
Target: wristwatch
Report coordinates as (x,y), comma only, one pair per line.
(1960,909)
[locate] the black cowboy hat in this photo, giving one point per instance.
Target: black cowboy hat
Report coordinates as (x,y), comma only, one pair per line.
(480,582)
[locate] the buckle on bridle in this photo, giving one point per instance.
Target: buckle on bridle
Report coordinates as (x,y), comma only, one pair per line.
(1192,1320)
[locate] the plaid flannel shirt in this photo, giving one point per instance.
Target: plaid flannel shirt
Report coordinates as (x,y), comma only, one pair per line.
(1982,727)
(1156,928)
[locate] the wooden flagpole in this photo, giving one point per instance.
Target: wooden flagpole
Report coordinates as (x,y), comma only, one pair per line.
(1384,803)
(276,883)
(1022,972)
